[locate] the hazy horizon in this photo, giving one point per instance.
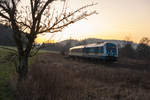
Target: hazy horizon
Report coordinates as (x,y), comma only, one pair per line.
(117,19)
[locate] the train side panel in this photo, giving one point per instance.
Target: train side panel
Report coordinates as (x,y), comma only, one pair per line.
(93,52)
(106,51)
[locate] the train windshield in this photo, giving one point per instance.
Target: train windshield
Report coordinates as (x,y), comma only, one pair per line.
(111,48)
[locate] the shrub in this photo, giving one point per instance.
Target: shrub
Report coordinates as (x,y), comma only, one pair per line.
(143,49)
(50,83)
(127,51)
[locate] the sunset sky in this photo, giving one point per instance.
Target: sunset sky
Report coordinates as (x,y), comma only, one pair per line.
(117,19)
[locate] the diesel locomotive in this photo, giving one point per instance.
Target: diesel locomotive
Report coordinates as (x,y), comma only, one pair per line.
(106,51)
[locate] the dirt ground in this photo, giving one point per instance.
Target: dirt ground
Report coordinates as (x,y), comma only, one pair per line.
(125,79)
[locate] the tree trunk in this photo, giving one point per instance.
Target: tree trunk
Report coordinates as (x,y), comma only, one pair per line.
(22,68)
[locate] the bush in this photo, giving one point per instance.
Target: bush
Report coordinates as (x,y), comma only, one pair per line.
(56,78)
(143,49)
(50,83)
(127,51)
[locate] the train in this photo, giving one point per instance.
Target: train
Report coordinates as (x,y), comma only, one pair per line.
(106,51)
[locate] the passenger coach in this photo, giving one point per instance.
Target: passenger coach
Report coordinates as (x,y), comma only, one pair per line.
(103,51)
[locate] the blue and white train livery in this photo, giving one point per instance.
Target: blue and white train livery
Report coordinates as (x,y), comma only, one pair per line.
(103,51)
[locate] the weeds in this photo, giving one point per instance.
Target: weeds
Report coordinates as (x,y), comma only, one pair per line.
(63,79)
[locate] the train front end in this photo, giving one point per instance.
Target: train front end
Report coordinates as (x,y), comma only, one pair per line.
(111,51)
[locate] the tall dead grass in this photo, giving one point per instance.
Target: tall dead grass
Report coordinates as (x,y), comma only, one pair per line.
(51,82)
(64,79)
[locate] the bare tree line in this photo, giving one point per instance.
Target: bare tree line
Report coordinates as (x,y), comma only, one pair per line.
(142,50)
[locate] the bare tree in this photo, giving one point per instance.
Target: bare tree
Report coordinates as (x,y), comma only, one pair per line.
(143,49)
(37,17)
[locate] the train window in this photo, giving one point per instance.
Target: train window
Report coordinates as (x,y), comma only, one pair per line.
(101,49)
(84,49)
(96,49)
(87,50)
(91,50)
(111,48)
(76,50)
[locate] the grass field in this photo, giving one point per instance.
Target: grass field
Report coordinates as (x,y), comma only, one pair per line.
(53,77)
(57,77)
(6,70)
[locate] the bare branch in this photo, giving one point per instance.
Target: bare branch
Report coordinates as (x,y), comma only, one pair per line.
(24,24)
(4,16)
(44,7)
(67,20)
(36,50)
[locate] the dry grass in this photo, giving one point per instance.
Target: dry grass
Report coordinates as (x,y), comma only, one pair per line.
(53,77)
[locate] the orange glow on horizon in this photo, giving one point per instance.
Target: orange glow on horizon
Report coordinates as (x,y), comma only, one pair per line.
(43,40)
(117,19)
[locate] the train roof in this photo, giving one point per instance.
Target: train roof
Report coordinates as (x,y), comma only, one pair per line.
(91,45)
(76,47)
(95,44)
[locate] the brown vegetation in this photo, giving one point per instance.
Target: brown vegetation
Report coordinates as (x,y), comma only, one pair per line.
(142,51)
(53,77)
